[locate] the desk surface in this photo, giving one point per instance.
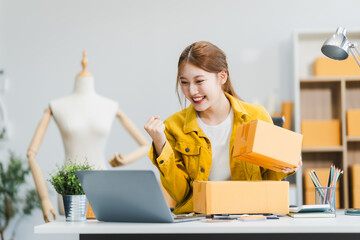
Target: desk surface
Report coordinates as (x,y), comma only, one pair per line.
(341,224)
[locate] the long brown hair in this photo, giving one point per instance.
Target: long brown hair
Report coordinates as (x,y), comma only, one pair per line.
(208,57)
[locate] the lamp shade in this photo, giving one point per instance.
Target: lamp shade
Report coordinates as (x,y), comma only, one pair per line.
(337,46)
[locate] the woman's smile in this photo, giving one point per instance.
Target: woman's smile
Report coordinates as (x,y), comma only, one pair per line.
(198,100)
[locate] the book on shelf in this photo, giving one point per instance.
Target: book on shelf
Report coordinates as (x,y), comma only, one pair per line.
(312,214)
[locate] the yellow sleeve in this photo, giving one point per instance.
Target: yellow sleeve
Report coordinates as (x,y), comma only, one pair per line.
(173,174)
(264,115)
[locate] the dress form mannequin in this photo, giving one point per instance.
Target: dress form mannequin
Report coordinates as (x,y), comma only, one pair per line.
(84,119)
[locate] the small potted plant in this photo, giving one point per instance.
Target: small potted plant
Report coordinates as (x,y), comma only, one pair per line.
(67,184)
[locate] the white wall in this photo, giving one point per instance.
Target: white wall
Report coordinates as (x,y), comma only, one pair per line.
(133,48)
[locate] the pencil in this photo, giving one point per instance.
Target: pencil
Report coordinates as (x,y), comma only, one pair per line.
(328,184)
(316,177)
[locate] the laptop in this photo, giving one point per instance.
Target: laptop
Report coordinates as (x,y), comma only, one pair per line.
(127,196)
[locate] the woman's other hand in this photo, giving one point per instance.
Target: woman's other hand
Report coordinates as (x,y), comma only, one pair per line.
(287,170)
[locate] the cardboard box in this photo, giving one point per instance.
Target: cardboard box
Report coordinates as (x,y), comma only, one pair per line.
(321,132)
(237,197)
(309,196)
(267,145)
(328,67)
(353,120)
(356,198)
(355,185)
(355,175)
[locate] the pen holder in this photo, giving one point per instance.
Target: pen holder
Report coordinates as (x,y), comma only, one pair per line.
(326,195)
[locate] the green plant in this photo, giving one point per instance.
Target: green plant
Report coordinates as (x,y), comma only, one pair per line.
(11,200)
(65,181)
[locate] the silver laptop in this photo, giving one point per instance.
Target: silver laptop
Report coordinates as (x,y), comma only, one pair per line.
(127,196)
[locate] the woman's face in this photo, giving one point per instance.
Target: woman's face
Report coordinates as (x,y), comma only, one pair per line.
(201,88)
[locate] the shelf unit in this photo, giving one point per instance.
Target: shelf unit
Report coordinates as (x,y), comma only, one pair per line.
(324,98)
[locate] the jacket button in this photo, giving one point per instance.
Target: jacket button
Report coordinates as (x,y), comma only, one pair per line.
(161,161)
(202,170)
(187,150)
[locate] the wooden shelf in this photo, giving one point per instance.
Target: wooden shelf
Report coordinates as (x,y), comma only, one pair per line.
(324,98)
(353,138)
(320,79)
(323,149)
(330,79)
(352,78)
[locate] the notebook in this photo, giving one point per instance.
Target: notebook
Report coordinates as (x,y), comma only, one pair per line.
(127,196)
(311,211)
(310,208)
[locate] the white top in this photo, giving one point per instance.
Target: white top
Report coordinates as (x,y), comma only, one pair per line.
(219,136)
(84,120)
(341,224)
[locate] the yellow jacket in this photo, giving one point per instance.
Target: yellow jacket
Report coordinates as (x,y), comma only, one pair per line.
(187,155)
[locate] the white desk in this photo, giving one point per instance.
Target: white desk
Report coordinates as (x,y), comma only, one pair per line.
(342,227)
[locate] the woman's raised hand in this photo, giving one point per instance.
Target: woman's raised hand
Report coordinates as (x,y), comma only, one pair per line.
(155,128)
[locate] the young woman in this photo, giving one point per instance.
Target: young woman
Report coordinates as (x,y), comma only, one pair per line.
(197,142)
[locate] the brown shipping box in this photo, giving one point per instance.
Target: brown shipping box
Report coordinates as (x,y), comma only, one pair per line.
(353,120)
(328,67)
(323,175)
(267,145)
(238,197)
(321,132)
(356,198)
(355,175)
(355,183)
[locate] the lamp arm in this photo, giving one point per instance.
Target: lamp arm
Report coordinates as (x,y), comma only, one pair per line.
(357,50)
(353,53)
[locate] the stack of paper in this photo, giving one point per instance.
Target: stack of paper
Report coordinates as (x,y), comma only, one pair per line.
(313,215)
(312,211)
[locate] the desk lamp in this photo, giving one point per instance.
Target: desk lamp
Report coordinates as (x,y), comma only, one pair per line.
(338,46)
